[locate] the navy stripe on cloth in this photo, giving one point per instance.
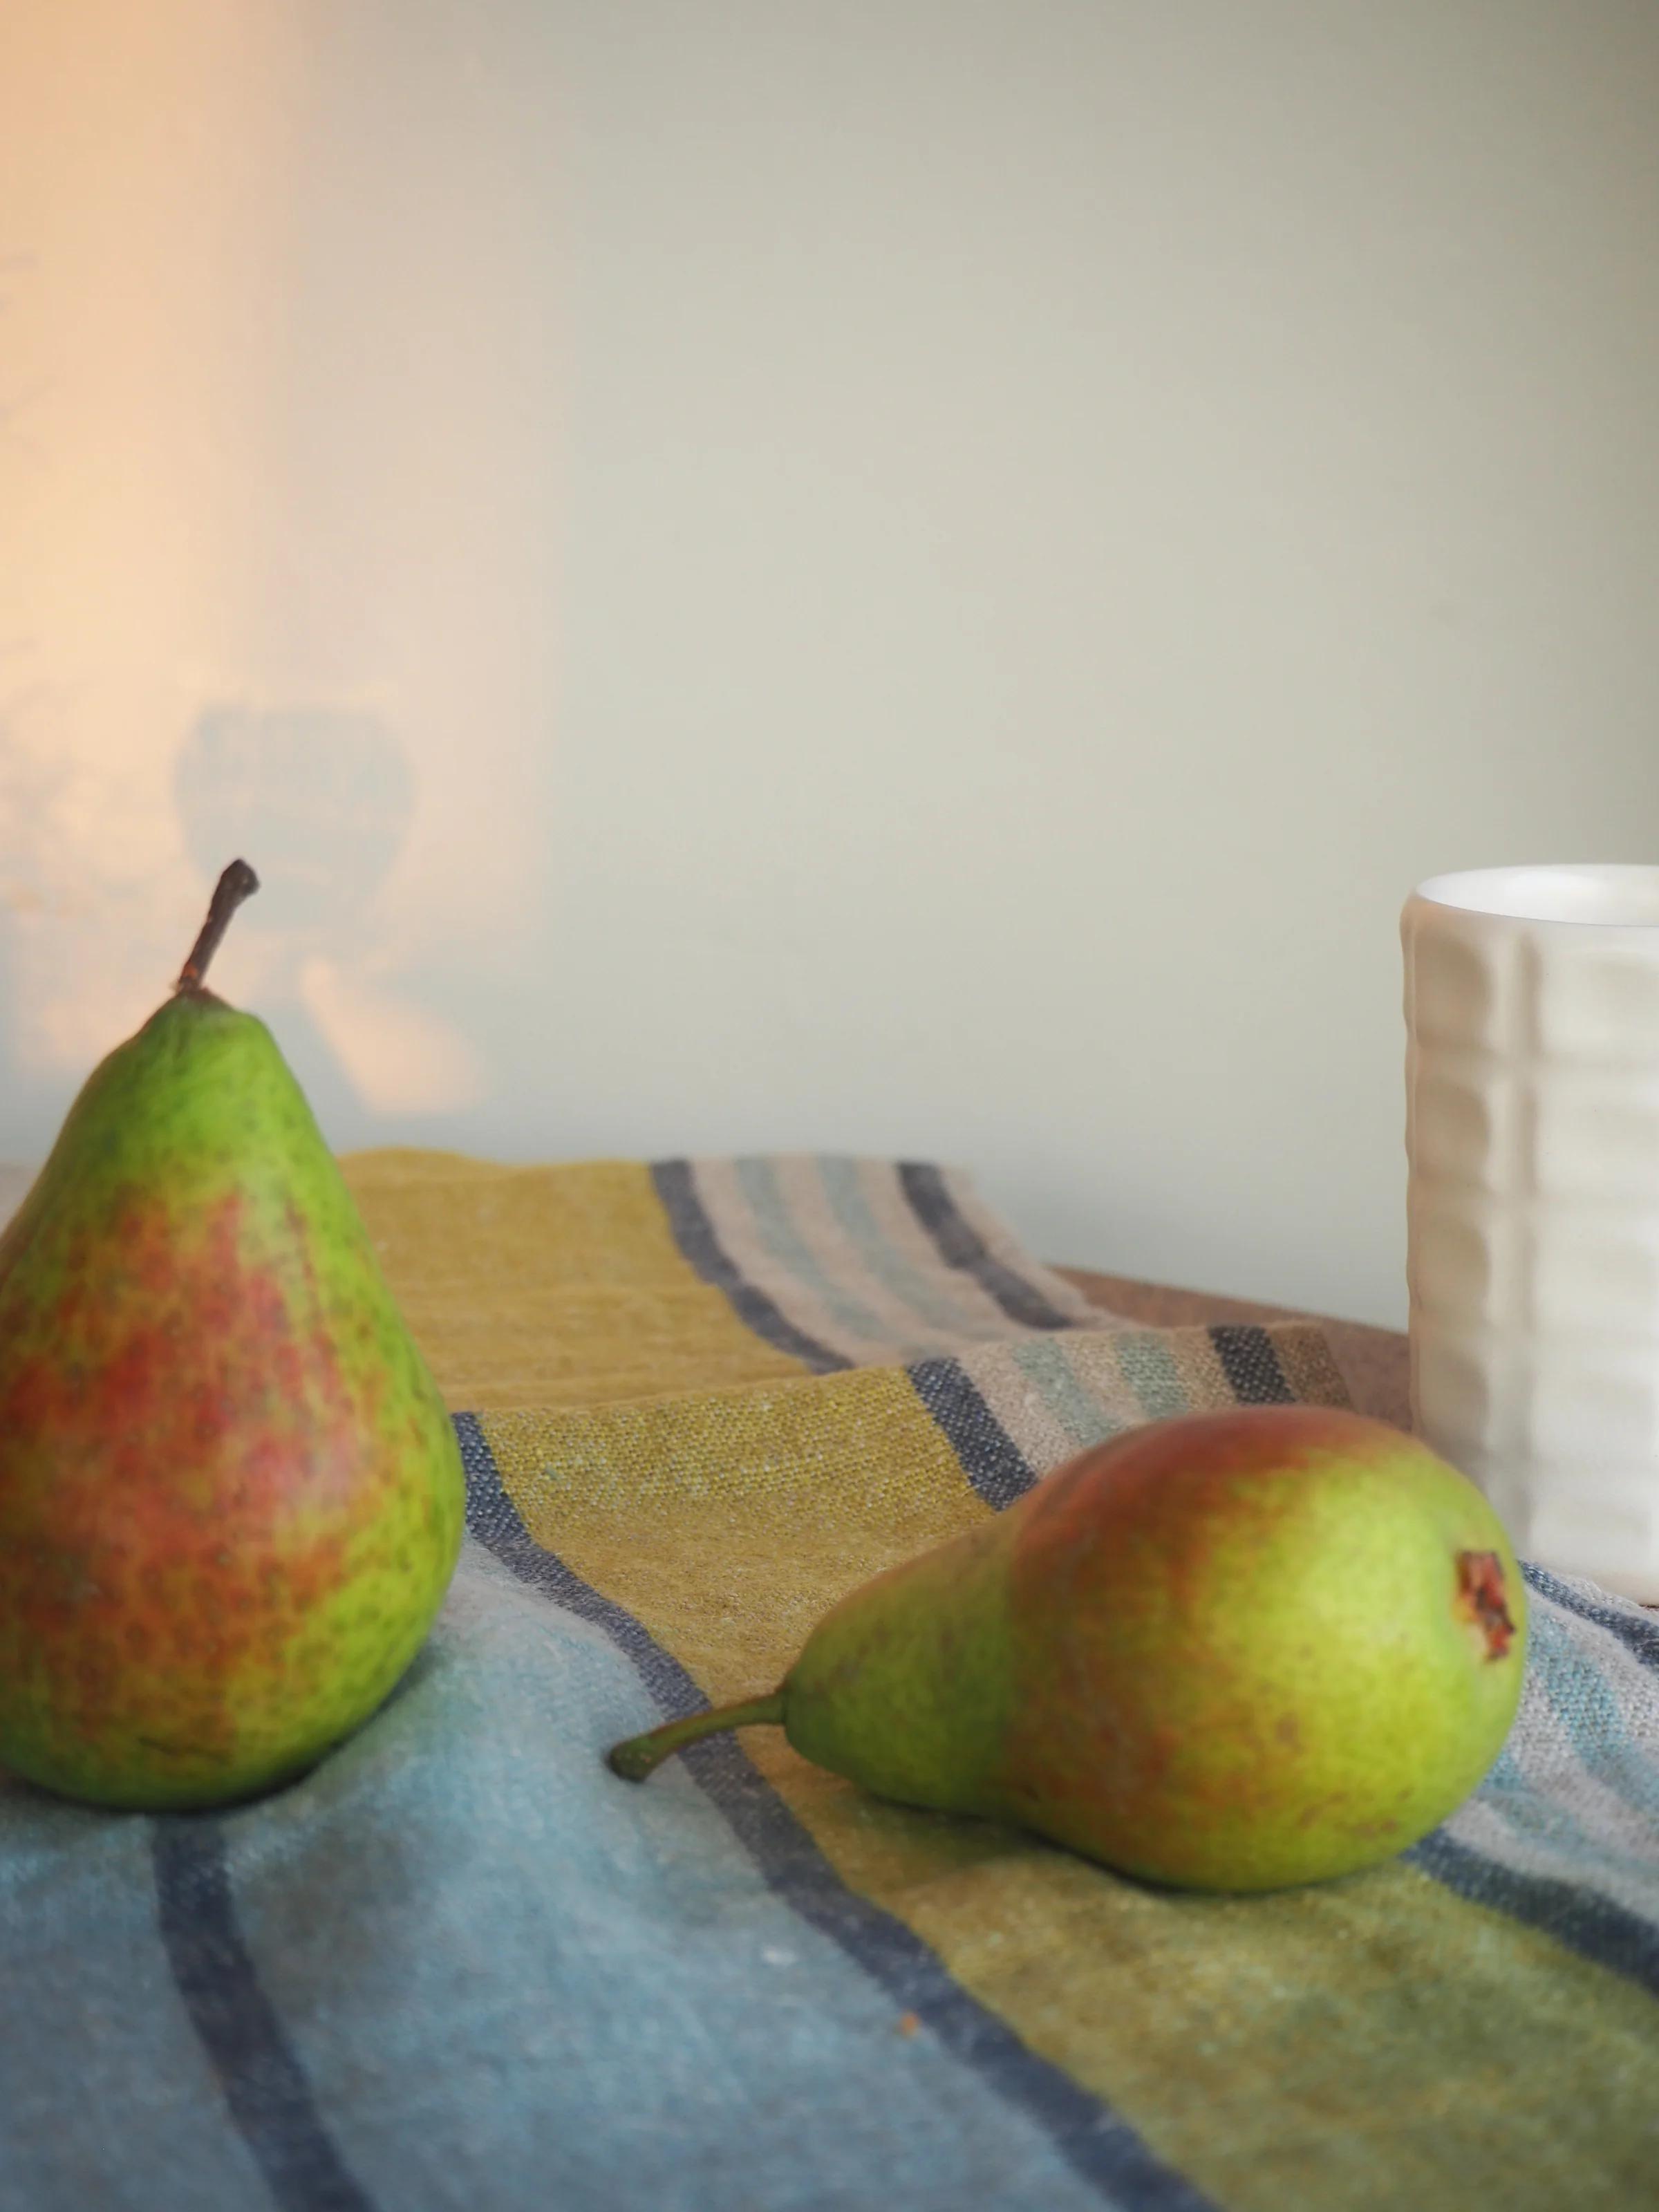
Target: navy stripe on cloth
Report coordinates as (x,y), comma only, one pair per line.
(264,2084)
(1250,1364)
(1103,2148)
(960,1245)
(1575,1916)
(694,1232)
(988,1456)
(1637,1634)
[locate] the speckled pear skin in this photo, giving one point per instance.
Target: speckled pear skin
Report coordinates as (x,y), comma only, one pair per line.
(1238,1651)
(230,1497)
(1292,1673)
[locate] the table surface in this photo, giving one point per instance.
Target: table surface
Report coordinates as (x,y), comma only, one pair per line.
(1373,1361)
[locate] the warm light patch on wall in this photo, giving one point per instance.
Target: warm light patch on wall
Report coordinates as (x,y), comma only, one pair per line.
(247,605)
(138,145)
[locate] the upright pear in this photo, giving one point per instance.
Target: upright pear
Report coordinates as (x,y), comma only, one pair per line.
(230,1497)
(1227,1651)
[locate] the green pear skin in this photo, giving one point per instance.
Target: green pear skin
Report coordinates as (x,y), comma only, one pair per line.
(1234,1651)
(230,1497)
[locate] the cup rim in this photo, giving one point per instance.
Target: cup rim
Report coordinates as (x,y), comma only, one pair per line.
(1553,894)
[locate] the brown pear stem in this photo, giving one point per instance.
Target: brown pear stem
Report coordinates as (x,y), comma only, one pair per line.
(238,882)
(641,1754)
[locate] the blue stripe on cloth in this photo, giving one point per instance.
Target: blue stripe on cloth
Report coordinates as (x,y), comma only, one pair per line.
(931,1298)
(778,1229)
(988,1456)
(694,1232)
(1250,1364)
(1575,1918)
(1637,1635)
(1044,1362)
(1100,2147)
(1538,1824)
(265,2085)
(1585,1707)
(107,2098)
(960,1245)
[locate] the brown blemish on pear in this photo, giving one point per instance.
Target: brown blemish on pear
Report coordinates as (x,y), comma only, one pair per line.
(1483,1602)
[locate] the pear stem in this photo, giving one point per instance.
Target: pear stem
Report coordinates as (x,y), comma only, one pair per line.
(641,1754)
(238,882)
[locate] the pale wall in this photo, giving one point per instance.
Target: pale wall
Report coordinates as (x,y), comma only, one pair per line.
(880,576)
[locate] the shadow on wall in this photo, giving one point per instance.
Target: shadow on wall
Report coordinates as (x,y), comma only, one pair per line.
(326,799)
(321,801)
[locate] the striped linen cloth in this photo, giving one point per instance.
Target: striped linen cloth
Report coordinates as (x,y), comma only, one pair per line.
(461,1965)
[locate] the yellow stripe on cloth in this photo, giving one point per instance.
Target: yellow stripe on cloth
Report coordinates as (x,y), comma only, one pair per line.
(1352,2048)
(729,1521)
(548,1285)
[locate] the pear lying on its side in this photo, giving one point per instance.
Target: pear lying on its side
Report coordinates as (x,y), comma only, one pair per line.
(1227,1651)
(230,1497)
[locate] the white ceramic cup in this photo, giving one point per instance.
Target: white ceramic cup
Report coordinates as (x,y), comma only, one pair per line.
(1532,1138)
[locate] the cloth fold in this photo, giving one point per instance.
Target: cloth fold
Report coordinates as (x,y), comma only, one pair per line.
(461,1965)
